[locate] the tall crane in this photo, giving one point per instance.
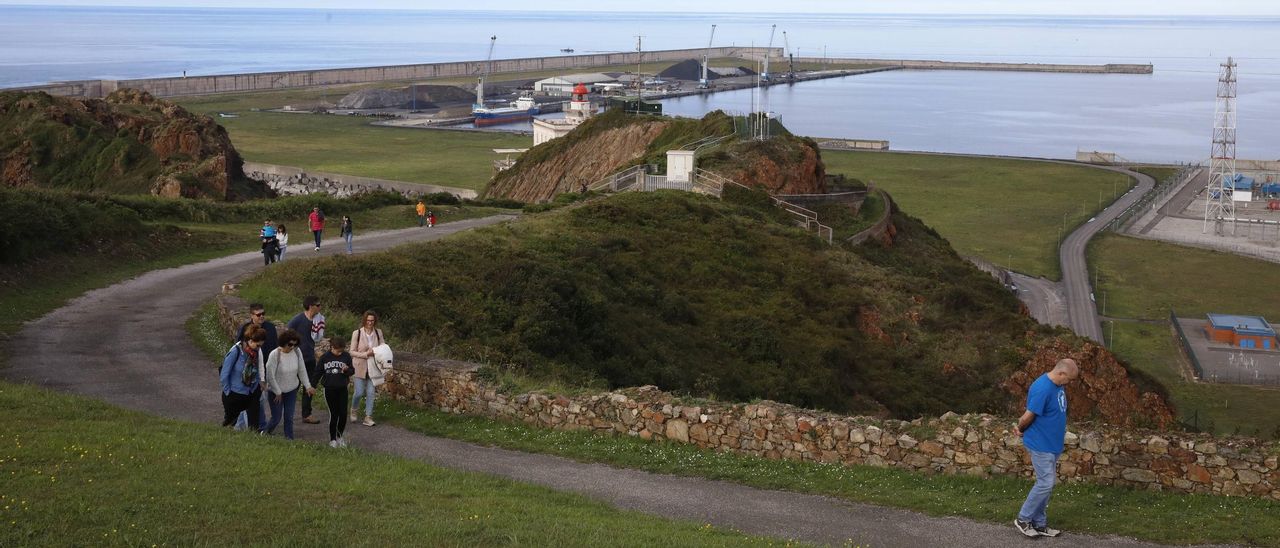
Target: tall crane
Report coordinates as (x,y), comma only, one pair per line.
(764,75)
(706,60)
(791,58)
(488,66)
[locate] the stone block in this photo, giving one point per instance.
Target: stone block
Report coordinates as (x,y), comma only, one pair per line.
(1198,474)
(931,448)
(1248,477)
(906,442)
(1138,475)
(1208,448)
(857,436)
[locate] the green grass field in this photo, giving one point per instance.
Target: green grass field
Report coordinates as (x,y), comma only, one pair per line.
(1144,278)
(1009,212)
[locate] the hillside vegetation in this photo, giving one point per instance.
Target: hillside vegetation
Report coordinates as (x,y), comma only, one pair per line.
(704,297)
(129,143)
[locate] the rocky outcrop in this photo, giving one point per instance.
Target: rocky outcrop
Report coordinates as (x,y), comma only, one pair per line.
(781,165)
(428,96)
(583,162)
(1103,390)
(129,142)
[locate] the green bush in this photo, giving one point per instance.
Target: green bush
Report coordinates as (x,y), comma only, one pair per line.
(698,296)
(39,222)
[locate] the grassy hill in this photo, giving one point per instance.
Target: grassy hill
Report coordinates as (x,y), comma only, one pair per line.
(699,296)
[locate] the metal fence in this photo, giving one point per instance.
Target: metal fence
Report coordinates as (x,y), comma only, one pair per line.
(1158,194)
(1186,345)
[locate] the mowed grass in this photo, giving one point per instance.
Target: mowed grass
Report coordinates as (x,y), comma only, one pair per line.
(1215,408)
(1145,278)
(1009,212)
(349,145)
(79,472)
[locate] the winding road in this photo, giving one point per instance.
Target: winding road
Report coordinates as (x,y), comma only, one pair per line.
(126,344)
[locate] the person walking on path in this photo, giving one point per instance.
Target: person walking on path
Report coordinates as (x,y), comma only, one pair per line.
(346,232)
(1043,428)
(336,364)
(270,244)
(316,221)
(363,340)
(239,376)
(302,323)
(286,374)
(258,317)
(421,208)
(282,241)
(431,219)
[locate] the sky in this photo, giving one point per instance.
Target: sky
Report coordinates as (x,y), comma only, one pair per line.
(1011,7)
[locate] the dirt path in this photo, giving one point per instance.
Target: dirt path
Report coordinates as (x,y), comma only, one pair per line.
(126,344)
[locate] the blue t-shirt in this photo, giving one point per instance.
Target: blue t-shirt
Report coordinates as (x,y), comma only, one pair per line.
(1049,402)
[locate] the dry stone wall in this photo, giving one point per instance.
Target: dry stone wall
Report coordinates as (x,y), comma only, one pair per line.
(980,445)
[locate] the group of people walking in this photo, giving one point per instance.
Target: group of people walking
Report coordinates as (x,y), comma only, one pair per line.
(275,241)
(265,372)
(275,238)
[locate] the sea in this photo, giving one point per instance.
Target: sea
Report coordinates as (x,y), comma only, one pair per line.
(1166,116)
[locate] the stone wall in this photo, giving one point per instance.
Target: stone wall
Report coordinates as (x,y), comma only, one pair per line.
(290,181)
(980,445)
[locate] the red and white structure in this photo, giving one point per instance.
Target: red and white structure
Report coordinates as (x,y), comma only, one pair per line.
(576,111)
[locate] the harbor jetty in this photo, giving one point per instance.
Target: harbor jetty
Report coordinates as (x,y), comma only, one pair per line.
(179,86)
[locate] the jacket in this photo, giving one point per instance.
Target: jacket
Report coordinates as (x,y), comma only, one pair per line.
(317,220)
(232,371)
(285,372)
(362,352)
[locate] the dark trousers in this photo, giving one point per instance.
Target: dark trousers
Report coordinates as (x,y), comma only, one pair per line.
(313,374)
(337,400)
(282,411)
(234,403)
(422,220)
(317,234)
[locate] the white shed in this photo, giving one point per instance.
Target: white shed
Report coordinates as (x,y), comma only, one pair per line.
(563,85)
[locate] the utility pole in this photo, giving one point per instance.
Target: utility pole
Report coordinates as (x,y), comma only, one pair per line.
(639,63)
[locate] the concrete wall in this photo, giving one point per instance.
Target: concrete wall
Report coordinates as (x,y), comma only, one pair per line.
(965,65)
(980,445)
(262,81)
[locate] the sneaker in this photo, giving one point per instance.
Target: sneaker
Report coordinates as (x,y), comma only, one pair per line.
(333,444)
(310,420)
(1025,528)
(368,421)
(1047,531)
(353,417)
(317,248)
(342,442)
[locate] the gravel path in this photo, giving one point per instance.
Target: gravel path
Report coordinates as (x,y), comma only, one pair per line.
(126,344)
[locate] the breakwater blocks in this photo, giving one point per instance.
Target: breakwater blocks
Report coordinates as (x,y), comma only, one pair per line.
(978,444)
(292,181)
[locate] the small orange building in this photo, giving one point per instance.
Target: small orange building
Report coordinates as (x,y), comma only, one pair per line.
(1242,331)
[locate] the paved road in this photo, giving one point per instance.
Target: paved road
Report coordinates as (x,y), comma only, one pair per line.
(104,345)
(1081,308)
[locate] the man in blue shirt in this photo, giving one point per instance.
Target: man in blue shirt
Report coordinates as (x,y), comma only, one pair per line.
(1043,427)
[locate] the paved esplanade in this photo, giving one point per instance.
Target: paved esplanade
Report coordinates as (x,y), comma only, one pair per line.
(106,344)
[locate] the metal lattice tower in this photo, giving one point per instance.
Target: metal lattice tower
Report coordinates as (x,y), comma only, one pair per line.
(1220,206)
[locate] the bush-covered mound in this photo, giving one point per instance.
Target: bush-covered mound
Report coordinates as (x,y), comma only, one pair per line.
(699,296)
(129,142)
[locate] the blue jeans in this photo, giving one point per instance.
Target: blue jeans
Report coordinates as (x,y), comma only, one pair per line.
(348,239)
(1046,468)
(280,257)
(364,389)
(283,411)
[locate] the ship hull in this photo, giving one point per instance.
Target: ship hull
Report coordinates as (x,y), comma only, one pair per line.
(492,117)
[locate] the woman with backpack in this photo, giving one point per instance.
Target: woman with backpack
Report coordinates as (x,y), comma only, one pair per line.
(241,378)
(363,341)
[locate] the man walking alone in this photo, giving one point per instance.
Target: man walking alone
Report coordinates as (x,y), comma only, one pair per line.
(1043,427)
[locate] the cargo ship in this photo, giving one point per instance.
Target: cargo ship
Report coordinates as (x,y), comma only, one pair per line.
(521,109)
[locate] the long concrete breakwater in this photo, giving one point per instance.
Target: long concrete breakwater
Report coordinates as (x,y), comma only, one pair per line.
(265,81)
(1110,68)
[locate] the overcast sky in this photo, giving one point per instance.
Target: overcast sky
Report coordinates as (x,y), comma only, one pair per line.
(1016,7)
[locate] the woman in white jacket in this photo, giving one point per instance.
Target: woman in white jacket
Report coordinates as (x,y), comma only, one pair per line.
(285,374)
(363,340)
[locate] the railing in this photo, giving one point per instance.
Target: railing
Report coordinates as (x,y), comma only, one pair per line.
(622,181)
(1186,345)
(1159,192)
(807,218)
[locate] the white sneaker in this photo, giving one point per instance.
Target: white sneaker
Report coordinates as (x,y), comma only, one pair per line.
(368,421)
(317,248)
(342,442)
(352,417)
(1025,528)
(1047,531)
(333,444)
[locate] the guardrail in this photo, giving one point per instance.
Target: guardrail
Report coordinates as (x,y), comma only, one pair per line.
(880,225)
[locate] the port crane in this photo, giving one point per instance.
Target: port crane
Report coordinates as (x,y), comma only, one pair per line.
(706,60)
(791,58)
(488,66)
(764,75)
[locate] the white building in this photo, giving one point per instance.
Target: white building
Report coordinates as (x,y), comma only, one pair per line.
(563,85)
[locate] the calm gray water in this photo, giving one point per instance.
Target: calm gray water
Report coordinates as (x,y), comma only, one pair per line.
(1165,116)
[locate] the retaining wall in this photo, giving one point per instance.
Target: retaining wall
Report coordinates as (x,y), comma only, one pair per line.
(288,180)
(966,65)
(980,445)
(262,81)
